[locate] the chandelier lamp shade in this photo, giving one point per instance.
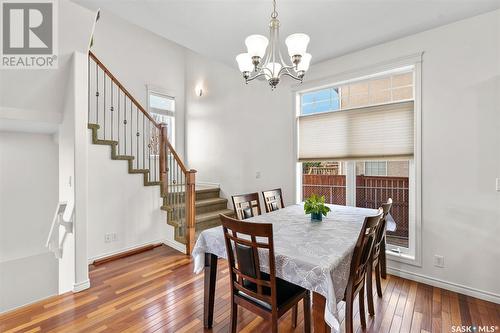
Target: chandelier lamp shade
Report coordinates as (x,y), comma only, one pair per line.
(264,59)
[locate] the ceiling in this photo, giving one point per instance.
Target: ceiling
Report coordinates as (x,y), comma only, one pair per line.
(217,28)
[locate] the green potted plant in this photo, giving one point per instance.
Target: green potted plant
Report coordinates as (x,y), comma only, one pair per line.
(315,205)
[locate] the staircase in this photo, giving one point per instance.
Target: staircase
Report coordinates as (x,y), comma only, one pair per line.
(208,206)
(116,119)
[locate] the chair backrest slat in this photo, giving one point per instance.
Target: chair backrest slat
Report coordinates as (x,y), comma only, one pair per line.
(362,250)
(273,200)
(243,242)
(246,205)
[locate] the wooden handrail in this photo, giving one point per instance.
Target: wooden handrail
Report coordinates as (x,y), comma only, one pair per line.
(125,91)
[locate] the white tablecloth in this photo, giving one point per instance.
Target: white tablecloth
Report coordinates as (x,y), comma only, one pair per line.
(313,255)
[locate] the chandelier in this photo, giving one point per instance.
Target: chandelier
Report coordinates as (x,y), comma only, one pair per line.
(271,65)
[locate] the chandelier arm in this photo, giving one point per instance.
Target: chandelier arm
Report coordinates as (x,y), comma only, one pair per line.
(292,76)
(286,70)
(255,76)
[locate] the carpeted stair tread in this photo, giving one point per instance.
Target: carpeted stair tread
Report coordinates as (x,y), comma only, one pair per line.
(212,215)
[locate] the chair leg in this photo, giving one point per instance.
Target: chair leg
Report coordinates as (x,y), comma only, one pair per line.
(274,324)
(307,313)
(377,280)
(234,317)
(348,315)
(369,289)
(361,301)
(294,316)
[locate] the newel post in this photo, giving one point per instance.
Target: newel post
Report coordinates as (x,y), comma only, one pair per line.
(163,159)
(190,210)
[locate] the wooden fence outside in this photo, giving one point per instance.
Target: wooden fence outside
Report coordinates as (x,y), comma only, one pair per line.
(371,191)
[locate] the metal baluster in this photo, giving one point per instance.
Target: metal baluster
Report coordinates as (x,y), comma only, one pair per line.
(137,134)
(183,180)
(97,93)
(178,193)
(143,142)
(111,109)
(171,169)
(118,124)
(157,150)
(149,151)
(131,129)
(125,124)
(104,103)
(88,88)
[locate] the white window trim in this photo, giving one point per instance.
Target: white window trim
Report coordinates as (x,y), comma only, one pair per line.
(162,92)
(415,213)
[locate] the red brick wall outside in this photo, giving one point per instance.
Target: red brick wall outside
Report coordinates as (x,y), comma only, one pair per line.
(371,191)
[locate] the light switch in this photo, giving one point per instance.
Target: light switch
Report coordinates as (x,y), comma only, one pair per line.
(498,185)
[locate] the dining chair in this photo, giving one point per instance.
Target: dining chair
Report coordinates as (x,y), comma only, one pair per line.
(273,200)
(246,205)
(262,293)
(359,263)
(376,262)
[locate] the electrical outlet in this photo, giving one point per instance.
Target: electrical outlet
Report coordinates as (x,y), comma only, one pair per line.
(438,261)
(257,174)
(107,238)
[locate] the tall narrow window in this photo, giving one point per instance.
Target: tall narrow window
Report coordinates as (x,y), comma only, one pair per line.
(162,109)
(356,144)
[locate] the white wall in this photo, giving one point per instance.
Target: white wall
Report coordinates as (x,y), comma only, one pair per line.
(28,198)
(139,58)
(234,131)
(118,202)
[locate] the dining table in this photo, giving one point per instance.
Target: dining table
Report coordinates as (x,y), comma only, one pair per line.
(313,255)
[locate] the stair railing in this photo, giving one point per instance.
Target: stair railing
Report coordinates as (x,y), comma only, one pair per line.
(135,136)
(63,216)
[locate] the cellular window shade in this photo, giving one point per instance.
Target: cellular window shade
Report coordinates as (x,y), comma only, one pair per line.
(382,131)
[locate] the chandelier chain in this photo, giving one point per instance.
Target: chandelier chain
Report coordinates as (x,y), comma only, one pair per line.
(274,14)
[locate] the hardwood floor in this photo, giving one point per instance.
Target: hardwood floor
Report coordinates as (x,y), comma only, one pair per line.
(156,291)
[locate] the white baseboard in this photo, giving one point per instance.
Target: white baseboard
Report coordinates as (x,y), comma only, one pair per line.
(81,286)
(175,245)
(112,253)
(17,307)
(455,287)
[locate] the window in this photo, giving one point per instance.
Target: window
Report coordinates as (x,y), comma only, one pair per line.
(375,168)
(387,179)
(326,179)
(382,89)
(162,109)
(364,152)
(320,101)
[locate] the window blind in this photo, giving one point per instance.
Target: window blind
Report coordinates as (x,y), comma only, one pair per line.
(382,131)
